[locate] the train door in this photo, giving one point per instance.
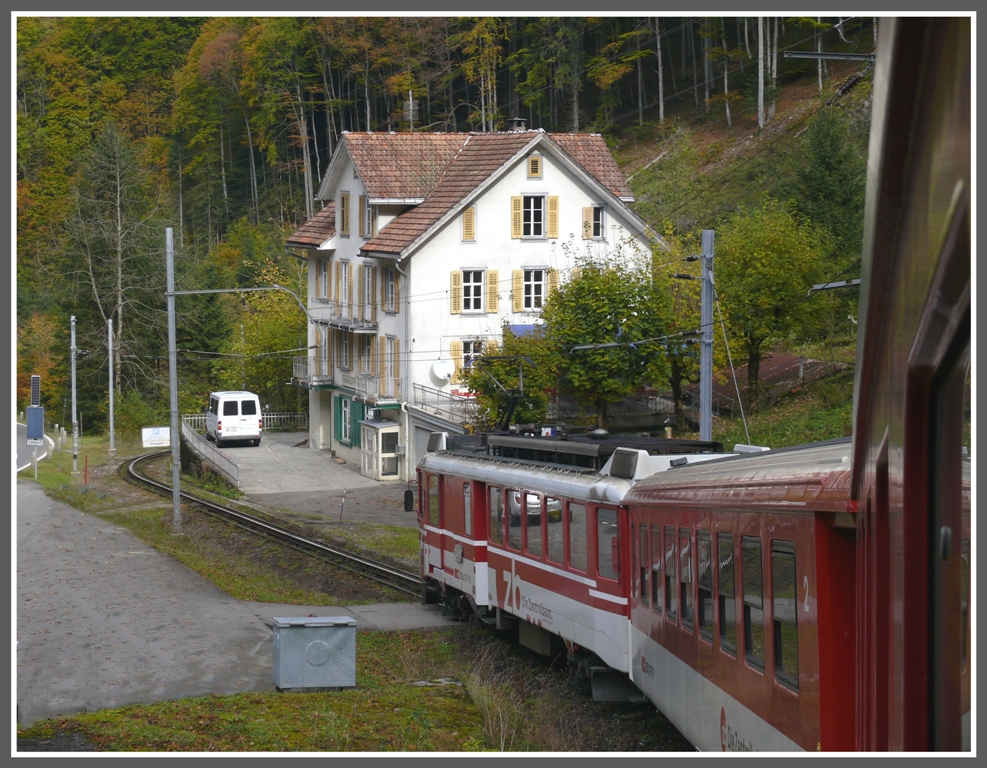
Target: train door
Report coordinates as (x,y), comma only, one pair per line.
(431,532)
(612,559)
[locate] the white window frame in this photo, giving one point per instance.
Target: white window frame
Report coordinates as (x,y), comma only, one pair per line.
(530,205)
(390,290)
(530,286)
(322,279)
(387,377)
(344,415)
(344,350)
(474,289)
(366,353)
(472,351)
(368,217)
(599,225)
(343,300)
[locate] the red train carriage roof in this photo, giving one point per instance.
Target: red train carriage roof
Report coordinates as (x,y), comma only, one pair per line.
(815,477)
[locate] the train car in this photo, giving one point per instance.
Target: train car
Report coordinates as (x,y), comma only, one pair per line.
(912,395)
(535,545)
(742,599)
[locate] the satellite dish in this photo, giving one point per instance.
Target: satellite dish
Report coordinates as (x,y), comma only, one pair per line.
(443,369)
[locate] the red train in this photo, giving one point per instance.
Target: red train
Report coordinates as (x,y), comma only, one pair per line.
(813,598)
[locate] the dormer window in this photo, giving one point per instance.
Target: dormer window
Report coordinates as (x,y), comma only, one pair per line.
(534,167)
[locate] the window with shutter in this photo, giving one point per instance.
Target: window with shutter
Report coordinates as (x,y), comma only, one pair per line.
(533,216)
(349,286)
(381,361)
(390,290)
(337,418)
(339,272)
(553,216)
(473,290)
(534,167)
(469,224)
(456,353)
(553,282)
(344,214)
(373,294)
(397,368)
(362,215)
(493,294)
(456,292)
(361,292)
(517,290)
(517,212)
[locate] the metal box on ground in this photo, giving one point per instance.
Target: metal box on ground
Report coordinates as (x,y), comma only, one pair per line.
(314,652)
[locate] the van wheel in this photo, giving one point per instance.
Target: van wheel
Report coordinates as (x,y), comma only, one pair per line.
(219,443)
(209,437)
(257,442)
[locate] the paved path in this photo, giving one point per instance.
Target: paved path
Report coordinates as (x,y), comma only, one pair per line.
(103,620)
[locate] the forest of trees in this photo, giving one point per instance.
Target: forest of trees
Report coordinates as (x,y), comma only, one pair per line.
(221,128)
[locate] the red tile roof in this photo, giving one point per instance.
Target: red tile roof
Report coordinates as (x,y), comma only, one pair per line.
(316,230)
(402,165)
(443,169)
(480,157)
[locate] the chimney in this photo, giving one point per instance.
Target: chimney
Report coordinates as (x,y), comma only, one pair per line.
(517,124)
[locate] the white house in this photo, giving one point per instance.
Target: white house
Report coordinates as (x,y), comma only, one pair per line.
(427,243)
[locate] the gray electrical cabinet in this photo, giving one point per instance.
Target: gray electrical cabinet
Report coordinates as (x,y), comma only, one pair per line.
(314,652)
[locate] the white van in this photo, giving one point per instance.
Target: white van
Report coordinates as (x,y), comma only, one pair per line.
(234,416)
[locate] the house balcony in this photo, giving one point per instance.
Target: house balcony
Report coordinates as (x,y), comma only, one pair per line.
(456,408)
(311,372)
(358,317)
(375,389)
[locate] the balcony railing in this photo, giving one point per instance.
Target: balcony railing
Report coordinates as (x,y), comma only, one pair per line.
(449,406)
(355,315)
(309,371)
(372,387)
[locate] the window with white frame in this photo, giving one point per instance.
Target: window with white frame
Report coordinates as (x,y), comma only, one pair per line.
(390,290)
(533,216)
(473,290)
(322,279)
(343,299)
(366,353)
(472,350)
(368,217)
(597,224)
(344,349)
(534,289)
(344,419)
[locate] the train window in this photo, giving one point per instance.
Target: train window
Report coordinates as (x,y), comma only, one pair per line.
(513,519)
(671,586)
(705,583)
(644,563)
(496,511)
(554,529)
(577,537)
(783,594)
(656,568)
(533,529)
(753,602)
(433,500)
(685,576)
(728,598)
(606,543)
(467,509)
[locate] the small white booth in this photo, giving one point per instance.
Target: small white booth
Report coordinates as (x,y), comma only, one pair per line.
(381,449)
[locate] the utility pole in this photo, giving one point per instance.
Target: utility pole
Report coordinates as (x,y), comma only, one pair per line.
(706,350)
(176,459)
(109,347)
(75,421)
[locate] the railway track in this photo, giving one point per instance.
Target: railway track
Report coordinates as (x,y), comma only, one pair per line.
(395,578)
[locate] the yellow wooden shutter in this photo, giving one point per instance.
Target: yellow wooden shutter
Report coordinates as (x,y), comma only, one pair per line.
(517,289)
(516,216)
(373,356)
(373,220)
(456,352)
(491,347)
(534,166)
(493,295)
(553,216)
(397,368)
(469,223)
(381,352)
(588,223)
(456,292)
(339,273)
(344,214)
(362,214)
(553,282)
(576,273)
(361,292)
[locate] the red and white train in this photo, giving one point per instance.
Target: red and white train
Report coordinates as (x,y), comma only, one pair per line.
(812,598)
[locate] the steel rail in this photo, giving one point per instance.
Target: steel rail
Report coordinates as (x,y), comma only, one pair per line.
(392,577)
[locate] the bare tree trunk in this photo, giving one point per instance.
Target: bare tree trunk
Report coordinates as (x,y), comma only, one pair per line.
(819,62)
(747,42)
(222,170)
(301,120)
(695,74)
(640,87)
(726,88)
(760,71)
(254,196)
(661,79)
(315,144)
(774,71)
(707,66)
